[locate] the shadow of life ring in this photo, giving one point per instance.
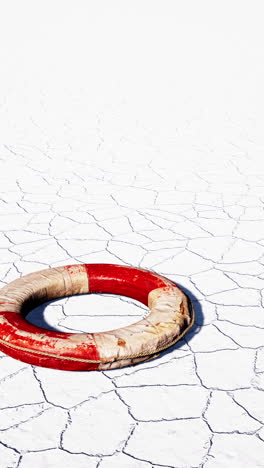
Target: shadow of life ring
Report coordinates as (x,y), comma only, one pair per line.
(171,316)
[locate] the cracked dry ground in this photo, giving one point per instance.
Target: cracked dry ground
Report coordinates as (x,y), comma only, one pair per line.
(132,133)
(199,404)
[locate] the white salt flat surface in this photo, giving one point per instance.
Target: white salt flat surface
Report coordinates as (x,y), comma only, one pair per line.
(132,133)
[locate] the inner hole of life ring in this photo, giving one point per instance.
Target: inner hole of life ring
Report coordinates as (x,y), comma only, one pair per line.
(87,313)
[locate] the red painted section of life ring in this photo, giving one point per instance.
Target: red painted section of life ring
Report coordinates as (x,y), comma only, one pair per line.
(68,351)
(135,283)
(17,322)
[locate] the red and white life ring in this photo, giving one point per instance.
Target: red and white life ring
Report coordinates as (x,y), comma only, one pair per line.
(171,316)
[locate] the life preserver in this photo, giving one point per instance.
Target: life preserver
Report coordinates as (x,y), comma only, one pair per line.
(171,315)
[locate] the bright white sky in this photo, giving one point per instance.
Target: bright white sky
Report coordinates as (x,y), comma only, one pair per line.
(165,61)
